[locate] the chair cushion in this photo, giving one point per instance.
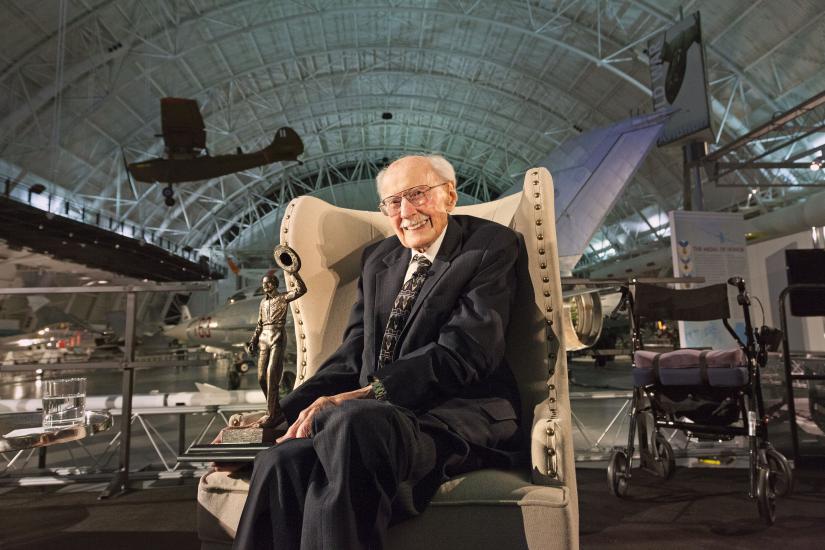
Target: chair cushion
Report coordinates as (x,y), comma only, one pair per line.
(683,367)
(502,487)
(491,509)
(222,495)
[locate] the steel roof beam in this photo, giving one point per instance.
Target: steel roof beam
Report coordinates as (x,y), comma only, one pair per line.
(80,69)
(770,126)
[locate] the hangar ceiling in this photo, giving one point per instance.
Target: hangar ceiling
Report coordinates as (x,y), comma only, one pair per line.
(493,85)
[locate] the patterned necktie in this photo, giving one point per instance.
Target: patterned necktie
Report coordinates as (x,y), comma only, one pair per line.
(401,309)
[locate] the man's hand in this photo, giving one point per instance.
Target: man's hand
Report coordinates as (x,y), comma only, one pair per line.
(302,427)
(252,346)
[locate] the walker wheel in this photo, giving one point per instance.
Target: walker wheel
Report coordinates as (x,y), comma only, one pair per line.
(766,496)
(618,476)
(780,472)
(665,451)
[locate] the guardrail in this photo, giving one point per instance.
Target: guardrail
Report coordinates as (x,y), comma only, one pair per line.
(128,364)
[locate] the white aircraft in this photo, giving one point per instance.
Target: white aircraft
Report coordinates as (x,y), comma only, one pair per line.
(590,172)
(226,331)
(63,342)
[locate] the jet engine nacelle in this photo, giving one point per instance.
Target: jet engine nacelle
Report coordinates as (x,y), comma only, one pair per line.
(582,320)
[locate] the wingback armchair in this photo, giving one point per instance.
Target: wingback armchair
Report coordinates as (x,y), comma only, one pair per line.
(533,507)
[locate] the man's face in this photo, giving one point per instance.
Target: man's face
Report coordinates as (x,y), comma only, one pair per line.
(417,227)
(268,285)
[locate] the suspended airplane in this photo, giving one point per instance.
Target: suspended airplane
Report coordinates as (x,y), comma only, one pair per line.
(188,158)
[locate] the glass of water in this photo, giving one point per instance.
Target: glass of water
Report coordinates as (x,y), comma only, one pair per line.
(64,402)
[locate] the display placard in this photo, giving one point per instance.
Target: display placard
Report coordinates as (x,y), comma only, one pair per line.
(709,245)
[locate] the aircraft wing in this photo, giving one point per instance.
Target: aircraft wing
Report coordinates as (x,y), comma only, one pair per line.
(182,124)
(590,171)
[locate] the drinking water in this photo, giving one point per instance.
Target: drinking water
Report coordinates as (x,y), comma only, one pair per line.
(64,402)
(64,410)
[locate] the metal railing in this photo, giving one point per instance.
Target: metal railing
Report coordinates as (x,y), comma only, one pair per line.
(127,364)
(36,197)
(791,376)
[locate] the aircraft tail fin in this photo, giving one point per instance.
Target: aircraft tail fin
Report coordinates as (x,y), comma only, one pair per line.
(204,387)
(185,314)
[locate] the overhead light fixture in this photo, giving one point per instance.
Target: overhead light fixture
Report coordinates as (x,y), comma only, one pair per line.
(816,164)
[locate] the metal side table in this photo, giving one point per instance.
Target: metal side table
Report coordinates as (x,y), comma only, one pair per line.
(21,431)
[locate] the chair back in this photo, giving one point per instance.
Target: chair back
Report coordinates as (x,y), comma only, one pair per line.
(330,241)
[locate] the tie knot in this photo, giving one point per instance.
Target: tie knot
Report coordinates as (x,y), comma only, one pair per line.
(423,263)
(421,259)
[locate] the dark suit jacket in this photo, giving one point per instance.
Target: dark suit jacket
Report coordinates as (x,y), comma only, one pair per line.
(450,358)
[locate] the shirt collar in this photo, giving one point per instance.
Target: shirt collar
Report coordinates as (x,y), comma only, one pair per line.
(432,250)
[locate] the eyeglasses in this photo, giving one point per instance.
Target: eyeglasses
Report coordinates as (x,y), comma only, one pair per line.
(417,196)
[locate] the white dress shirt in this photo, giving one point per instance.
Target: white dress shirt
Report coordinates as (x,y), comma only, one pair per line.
(429,253)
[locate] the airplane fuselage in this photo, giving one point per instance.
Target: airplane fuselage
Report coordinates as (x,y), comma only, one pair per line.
(202,168)
(228,327)
(47,345)
(286,145)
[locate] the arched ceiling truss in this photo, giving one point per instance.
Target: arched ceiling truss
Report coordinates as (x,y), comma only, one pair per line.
(493,85)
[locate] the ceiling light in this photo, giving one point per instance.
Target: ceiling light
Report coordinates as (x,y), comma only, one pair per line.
(816,164)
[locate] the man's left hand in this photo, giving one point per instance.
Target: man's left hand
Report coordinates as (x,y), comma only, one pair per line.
(302,427)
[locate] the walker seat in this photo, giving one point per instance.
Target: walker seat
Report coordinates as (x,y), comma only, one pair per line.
(691,367)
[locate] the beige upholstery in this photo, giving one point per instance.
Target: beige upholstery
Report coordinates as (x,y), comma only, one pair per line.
(536,509)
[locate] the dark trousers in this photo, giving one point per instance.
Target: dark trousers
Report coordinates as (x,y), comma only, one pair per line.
(335,491)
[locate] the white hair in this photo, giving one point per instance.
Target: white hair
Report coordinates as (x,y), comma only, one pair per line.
(438,164)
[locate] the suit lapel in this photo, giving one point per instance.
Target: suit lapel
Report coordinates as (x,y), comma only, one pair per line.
(388,283)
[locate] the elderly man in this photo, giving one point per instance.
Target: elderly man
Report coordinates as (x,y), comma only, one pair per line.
(419,389)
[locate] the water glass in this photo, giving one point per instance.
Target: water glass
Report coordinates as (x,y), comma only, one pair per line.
(64,402)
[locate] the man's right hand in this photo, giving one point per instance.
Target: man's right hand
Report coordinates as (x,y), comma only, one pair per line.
(302,427)
(252,346)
